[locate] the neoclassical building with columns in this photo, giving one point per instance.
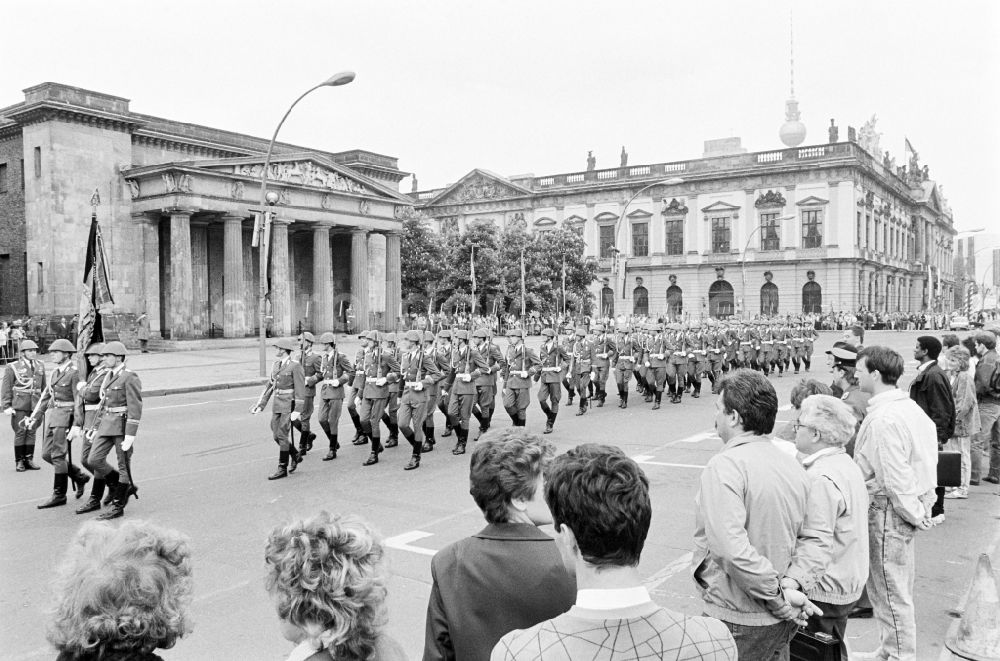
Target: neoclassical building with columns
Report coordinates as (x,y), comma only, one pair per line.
(176,203)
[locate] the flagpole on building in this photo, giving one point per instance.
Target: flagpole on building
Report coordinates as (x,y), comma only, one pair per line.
(472,273)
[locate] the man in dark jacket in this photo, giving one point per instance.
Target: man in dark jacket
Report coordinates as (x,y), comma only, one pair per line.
(932,392)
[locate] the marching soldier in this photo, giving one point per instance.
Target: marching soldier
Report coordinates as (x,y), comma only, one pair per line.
(287,384)
(389,416)
(716,345)
(116,425)
(418,374)
(442,362)
(602,356)
(567,341)
(467,365)
(357,391)
(553,360)
(380,369)
(580,367)
(697,359)
(310,362)
(486,384)
(808,337)
(59,400)
(677,371)
(446,359)
(87,404)
(627,353)
(656,363)
(780,335)
(23,383)
(335,372)
(520,365)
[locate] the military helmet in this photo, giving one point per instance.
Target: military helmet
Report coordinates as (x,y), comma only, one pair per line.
(597,328)
(25,345)
(328,338)
(373,335)
(113,348)
(94,349)
(444,334)
(581,332)
(62,344)
(412,336)
(308,337)
(548,332)
(480,332)
(461,334)
(428,336)
(389,337)
(515,332)
(286,343)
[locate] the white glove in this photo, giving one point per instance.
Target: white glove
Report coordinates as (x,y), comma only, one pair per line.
(80,386)
(8,411)
(75,432)
(444,393)
(466,377)
(127,443)
(419,386)
(381,381)
(647,363)
(296,415)
(255,410)
(523,374)
(335,382)
(357,402)
(592,376)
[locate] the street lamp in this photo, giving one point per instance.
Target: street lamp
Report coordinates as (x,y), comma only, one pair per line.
(672,181)
(270,199)
(743,260)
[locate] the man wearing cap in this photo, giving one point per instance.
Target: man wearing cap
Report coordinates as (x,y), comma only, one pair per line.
(87,404)
(59,400)
(677,369)
(390,414)
(335,371)
(659,352)
(553,361)
(357,391)
(380,369)
(446,359)
(310,362)
(601,357)
(468,364)
(418,374)
(486,384)
(287,384)
(846,380)
(567,341)
(23,383)
(520,365)
(117,424)
(580,353)
(627,354)
(441,362)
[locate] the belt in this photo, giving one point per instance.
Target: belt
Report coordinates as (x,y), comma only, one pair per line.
(117,409)
(329,382)
(64,405)
(413,384)
(91,407)
(284,391)
(23,389)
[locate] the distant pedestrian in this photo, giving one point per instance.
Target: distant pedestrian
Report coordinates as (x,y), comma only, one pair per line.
(955,363)
(932,392)
(986,444)
(142,331)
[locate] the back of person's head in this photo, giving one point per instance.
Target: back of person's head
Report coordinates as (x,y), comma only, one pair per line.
(969,342)
(887,362)
(949,340)
(830,417)
(931,345)
(957,358)
(603,497)
(858,331)
(121,590)
(325,575)
(987,339)
(506,465)
(805,388)
(749,393)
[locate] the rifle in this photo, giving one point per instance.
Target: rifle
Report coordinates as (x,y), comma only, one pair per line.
(29,422)
(268,390)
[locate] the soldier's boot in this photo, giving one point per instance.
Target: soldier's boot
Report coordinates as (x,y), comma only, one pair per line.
(624,396)
(591,388)
(521,420)
(601,396)
(19,459)
(583,405)
(28,456)
(414,461)
(676,399)
(356,420)
(79,480)
(393,439)
(807,362)
(58,492)
(118,503)
(448,428)
(462,438)
(697,389)
(111,480)
(365,436)
(482,430)
(331,454)
(428,445)
(282,470)
(294,458)
(549,422)
(656,402)
(477,413)
(94,503)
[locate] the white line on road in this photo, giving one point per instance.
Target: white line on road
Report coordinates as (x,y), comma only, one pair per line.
(177,406)
(402,542)
(647,459)
(662,576)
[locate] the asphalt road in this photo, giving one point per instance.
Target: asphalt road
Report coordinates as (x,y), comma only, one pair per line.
(201,462)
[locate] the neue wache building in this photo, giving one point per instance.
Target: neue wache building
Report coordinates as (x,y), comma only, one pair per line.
(175,210)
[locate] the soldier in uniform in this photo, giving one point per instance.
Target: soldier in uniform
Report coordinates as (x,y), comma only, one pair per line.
(380,369)
(390,415)
(335,372)
(310,361)
(601,357)
(287,384)
(567,341)
(627,354)
(87,404)
(716,345)
(520,365)
(59,400)
(357,390)
(116,425)
(657,361)
(446,360)
(808,336)
(553,361)
(677,368)
(23,383)
(697,358)
(467,364)
(442,361)
(486,384)
(580,366)
(767,357)
(418,374)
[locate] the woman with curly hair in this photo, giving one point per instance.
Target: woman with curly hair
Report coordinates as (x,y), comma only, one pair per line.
(121,593)
(325,576)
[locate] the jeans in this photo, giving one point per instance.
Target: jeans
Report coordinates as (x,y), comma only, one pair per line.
(763,643)
(890,580)
(986,443)
(962,444)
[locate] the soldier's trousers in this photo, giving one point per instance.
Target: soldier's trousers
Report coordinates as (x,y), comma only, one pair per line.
(715,375)
(432,401)
(352,410)
(676,377)
(302,424)
(515,402)
(583,386)
(281,425)
(329,415)
(622,378)
(548,397)
(460,409)
(56,451)
(99,451)
(370,412)
(412,411)
(601,381)
(657,377)
(486,401)
(22,436)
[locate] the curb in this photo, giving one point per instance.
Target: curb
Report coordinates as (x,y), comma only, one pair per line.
(160,392)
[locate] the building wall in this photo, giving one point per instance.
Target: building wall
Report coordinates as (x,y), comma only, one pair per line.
(13,266)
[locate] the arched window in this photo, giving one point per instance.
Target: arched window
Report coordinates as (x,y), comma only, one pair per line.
(608,302)
(769,299)
(812,298)
(640,301)
(675,302)
(721,302)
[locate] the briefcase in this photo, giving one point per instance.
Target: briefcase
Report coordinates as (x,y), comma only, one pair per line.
(810,646)
(949,469)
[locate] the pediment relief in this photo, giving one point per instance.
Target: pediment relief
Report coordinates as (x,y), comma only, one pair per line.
(544,222)
(480,188)
(303,173)
(812,201)
(575,220)
(771,198)
(674,207)
(606,217)
(638,214)
(720,207)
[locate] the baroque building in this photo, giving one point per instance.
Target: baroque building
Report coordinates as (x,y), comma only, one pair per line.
(820,228)
(176,205)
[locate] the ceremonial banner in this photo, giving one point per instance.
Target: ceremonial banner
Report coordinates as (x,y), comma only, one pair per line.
(96,290)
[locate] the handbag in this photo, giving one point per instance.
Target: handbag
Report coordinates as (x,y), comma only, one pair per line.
(814,646)
(949,469)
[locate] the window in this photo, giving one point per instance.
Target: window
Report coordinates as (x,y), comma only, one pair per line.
(868,231)
(607,301)
(861,232)
(720,234)
(3,177)
(770,233)
(640,301)
(607,240)
(38,162)
(812,298)
(721,301)
(812,229)
(640,239)
(40,277)
(769,299)
(675,236)
(675,302)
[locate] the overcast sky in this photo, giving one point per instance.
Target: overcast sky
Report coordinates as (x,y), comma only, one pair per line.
(519,87)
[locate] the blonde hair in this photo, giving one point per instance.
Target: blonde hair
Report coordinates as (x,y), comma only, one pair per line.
(830,417)
(956,359)
(122,589)
(326,576)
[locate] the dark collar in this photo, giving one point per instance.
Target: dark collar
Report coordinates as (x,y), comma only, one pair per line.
(514,532)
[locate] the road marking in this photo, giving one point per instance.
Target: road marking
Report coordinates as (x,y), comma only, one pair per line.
(698,438)
(402,542)
(646,459)
(665,574)
(218,401)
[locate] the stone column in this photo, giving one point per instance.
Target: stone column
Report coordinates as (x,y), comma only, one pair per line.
(359,278)
(150,226)
(181,321)
(281,304)
(322,280)
(233,281)
(393,280)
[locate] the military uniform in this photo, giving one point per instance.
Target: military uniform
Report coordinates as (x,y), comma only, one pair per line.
(335,372)
(601,358)
(657,360)
(677,369)
(716,347)
(553,363)
(88,401)
(569,377)
(390,414)
(379,365)
(23,383)
(418,375)
(310,362)
(627,354)
(446,354)
(442,361)
(580,366)
(521,364)
(357,390)
(486,384)
(468,364)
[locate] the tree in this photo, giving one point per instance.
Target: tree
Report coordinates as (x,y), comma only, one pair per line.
(424,268)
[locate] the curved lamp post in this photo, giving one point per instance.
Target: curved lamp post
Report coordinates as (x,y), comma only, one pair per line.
(672,181)
(743,262)
(269,200)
